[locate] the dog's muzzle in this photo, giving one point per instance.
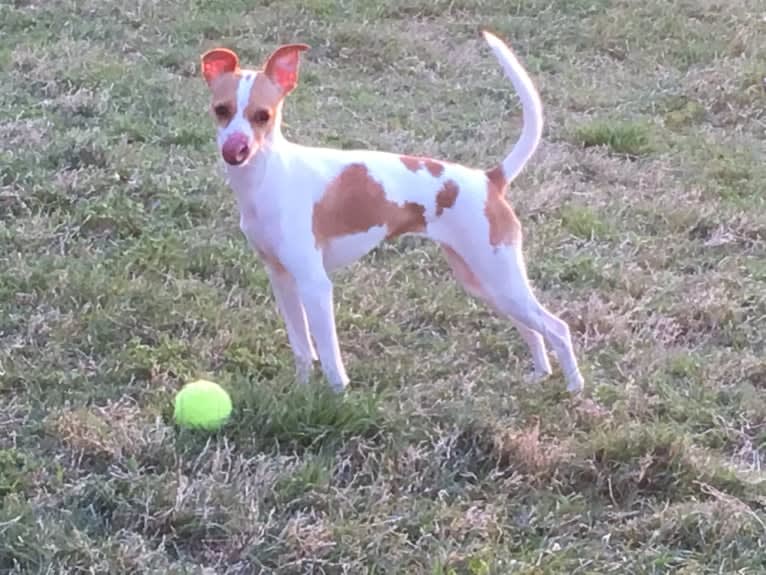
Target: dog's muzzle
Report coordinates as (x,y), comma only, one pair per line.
(236,149)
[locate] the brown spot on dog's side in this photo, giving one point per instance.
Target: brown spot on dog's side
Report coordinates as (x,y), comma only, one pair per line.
(504,226)
(434,168)
(409,218)
(412,164)
(354,202)
(463,273)
(446,197)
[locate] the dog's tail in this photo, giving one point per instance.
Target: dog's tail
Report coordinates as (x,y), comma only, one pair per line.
(532,114)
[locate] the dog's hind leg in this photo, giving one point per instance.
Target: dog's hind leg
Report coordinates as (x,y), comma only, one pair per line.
(498,276)
(473,286)
(509,289)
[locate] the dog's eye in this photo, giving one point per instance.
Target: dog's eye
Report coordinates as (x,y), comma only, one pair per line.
(221,111)
(261,116)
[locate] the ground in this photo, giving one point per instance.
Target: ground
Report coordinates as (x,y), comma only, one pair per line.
(124,274)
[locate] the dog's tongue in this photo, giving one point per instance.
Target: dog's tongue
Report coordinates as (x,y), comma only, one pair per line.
(235,149)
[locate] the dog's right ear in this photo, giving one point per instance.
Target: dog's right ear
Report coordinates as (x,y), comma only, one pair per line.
(218,61)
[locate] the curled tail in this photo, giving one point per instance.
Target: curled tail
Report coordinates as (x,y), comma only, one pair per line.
(532,113)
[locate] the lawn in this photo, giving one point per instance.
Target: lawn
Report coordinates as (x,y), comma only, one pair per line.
(123,274)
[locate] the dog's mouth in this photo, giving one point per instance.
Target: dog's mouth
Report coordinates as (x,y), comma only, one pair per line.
(236,150)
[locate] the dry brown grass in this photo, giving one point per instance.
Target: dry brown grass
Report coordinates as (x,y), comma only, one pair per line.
(123,274)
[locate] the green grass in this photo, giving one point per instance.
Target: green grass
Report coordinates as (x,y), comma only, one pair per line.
(123,274)
(625,138)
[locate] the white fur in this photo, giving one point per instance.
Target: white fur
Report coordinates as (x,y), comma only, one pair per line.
(532,108)
(238,123)
(277,190)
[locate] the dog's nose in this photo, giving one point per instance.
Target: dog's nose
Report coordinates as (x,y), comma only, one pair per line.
(236,149)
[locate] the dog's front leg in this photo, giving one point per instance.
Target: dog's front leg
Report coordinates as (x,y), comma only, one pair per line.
(316,295)
(290,307)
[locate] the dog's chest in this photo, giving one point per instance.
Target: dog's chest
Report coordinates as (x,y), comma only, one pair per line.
(259,213)
(261,226)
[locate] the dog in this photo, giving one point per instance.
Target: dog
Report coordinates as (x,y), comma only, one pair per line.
(310,210)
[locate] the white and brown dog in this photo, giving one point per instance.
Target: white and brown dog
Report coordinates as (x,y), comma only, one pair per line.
(308,211)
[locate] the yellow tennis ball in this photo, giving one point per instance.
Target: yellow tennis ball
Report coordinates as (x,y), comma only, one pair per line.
(202,404)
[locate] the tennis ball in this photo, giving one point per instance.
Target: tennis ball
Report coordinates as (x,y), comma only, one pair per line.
(202,404)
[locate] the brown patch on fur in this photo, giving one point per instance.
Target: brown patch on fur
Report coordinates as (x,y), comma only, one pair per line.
(354,203)
(434,168)
(446,197)
(504,226)
(413,164)
(497,177)
(224,93)
(463,273)
(407,219)
(265,96)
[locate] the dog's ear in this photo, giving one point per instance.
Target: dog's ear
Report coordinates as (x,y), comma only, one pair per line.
(218,61)
(282,66)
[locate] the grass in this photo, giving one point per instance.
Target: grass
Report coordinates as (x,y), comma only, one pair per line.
(624,138)
(124,274)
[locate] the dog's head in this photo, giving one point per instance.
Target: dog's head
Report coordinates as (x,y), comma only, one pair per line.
(245,104)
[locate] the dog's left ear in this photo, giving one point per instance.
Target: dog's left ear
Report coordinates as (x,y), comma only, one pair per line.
(282,66)
(218,61)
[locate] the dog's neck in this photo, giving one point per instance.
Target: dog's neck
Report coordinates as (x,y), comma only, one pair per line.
(247,178)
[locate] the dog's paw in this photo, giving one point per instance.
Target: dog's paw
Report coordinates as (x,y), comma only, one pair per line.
(339,389)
